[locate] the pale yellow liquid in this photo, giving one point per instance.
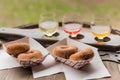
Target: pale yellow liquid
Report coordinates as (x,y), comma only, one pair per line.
(48,27)
(101,32)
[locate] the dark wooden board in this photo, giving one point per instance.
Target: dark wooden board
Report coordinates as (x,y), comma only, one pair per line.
(45,42)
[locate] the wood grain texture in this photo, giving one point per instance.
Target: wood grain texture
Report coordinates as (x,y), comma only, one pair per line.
(3,74)
(26,74)
(119,67)
(18,74)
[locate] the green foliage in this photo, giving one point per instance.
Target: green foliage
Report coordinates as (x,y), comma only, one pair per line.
(18,12)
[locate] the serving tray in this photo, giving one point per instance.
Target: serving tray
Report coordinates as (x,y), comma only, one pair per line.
(31,30)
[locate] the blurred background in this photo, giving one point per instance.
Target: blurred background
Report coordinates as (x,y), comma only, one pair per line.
(19,12)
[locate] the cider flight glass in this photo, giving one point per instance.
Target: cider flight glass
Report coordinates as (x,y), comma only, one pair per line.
(101,27)
(72,25)
(48,24)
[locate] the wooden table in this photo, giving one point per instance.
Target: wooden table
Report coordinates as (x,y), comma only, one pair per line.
(26,73)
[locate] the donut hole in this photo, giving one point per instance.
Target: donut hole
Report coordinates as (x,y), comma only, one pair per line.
(64,47)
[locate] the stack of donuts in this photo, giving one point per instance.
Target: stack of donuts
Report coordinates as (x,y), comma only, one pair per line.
(71,52)
(23,53)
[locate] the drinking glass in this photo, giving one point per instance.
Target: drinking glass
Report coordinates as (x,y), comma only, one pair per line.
(71,25)
(101,27)
(48,24)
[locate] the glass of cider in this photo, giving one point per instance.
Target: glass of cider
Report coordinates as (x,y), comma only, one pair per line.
(72,25)
(48,24)
(101,27)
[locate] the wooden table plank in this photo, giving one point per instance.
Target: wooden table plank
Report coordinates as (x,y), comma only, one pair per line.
(113,69)
(119,67)
(3,74)
(18,74)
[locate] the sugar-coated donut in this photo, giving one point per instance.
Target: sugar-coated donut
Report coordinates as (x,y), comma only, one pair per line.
(16,48)
(64,51)
(84,54)
(30,55)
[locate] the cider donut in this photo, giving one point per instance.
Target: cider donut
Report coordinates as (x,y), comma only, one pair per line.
(84,54)
(64,51)
(30,55)
(16,48)
(0,43)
